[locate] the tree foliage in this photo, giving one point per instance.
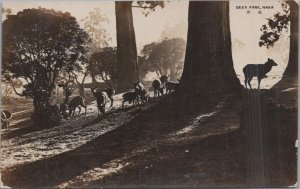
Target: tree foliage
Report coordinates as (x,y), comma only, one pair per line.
(6,12)
(38,45)
(104,65)
(149,6)
(164,58)
(94,26)
(276,26)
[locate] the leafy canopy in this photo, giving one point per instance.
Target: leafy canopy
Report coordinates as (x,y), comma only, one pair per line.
(104,65)
(164,58)
(276,26)
(38,45)
(149,6)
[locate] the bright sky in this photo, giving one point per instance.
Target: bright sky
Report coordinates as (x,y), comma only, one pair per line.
(147,29)
(172,22)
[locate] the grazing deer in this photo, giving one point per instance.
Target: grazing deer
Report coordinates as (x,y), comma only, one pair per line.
(110,93)
(171,86)
(158,88)
(63,109)
(101,99)
(130,97)
(76,102)
(257,70)
(141,91)
(5,118)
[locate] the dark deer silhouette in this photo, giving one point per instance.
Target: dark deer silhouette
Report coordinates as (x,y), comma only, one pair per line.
(141,91)
(110,93)
(158,88)
(5,118)
(130,97)
(257,70)
(171,86)
(101,99)
(76,102)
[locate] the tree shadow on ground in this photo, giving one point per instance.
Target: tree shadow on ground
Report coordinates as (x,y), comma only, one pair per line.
(237,158)
(156,157)
(148,126)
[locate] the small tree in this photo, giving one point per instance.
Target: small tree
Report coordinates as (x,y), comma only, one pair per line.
(37,45)
(7,90)
(104,65)
(84,73)
(100,38)
(68,83)
(165,58)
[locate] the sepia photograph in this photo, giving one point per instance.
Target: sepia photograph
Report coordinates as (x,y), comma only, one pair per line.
(149,94)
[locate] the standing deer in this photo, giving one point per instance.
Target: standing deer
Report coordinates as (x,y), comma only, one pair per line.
(257,70)
(5,118)
(130,97)
(76,102)
(158,88)
(171,86)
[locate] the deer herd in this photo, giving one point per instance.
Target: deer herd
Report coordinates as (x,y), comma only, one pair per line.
(138,95)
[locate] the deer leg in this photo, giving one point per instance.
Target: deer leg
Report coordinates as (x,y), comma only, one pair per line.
(139,101)
(249,81)
(123,104)
(246,83)
(259,80)
(5,124)
(103,110)
(111,101)
(79,110)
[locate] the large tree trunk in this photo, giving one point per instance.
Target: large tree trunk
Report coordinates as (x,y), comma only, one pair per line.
(126,44)
(292,67)
(208,73)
